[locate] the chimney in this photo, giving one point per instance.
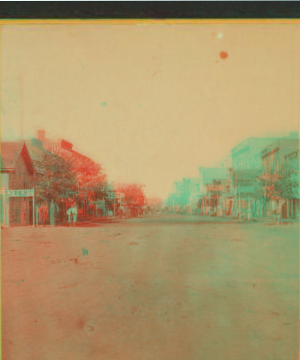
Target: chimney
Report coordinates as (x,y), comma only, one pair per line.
(41,135)
(66,145)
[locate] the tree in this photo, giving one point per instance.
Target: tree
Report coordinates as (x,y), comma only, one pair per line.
(287,187)
(58,180)
(282,184)
(134,195)
(90,181)
(90,175)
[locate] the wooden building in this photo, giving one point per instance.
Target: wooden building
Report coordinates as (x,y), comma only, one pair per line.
(17,184)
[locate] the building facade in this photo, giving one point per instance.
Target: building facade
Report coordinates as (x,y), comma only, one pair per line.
(17,181)
(213,188)
(280,177)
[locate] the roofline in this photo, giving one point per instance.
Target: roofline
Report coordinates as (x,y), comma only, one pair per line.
(12,169)
(212,167)
(272,139)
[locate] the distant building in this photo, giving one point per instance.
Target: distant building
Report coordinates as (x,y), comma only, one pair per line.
(275,155)
(251,159)
(213,184)
(242,191)
(207,175)
(183,193)
(194,190)
(172,201)
(246,155)
(246,167)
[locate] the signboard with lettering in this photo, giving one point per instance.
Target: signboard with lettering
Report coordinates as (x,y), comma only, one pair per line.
(19,193)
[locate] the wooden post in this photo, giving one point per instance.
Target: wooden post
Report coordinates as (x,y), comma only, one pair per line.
(249,216)
(280,210)
(33,222)
(37,215)
(7,207)
(240,205)
(288,208)
(4,208)
(209,207)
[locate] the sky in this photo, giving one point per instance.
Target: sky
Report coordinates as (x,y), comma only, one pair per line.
(150,102)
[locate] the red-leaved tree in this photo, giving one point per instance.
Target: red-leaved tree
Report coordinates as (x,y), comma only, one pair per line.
(134,195)
(90,175)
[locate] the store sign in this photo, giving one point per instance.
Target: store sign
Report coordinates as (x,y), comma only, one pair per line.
(19,193)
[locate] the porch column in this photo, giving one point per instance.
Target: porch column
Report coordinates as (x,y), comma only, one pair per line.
(7,220)
(33,222)
(249,217)
(3,207)
(292,208)
(37,215)
(288,208)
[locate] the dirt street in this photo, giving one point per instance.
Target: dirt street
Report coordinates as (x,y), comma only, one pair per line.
(162,288)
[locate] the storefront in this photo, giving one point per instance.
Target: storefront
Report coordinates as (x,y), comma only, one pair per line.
(18,207)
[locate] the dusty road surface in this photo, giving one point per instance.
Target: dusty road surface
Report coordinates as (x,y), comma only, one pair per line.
(169,288)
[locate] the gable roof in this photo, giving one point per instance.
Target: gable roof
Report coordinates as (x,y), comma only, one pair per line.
(37,155)
(10,152)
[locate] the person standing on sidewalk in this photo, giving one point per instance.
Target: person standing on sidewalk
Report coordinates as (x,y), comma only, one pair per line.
(69,213)
(73,214)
